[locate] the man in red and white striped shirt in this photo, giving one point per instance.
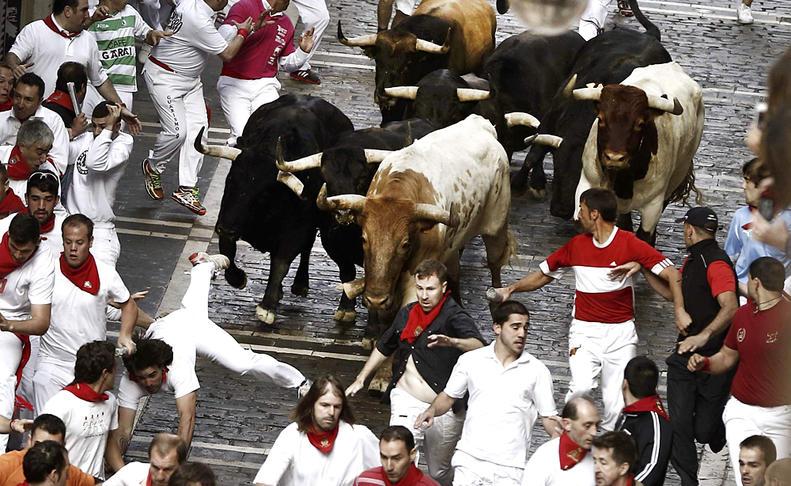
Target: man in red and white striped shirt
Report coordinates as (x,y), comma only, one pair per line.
(602,336)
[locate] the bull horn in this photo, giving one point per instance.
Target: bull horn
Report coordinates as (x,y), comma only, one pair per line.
(470,94)
(352,202)
(569,89)
(432,48)
(352,289)
(664,104)
(221,151)
(366,40)
(374,156)
(520,118)
(592,94)
(291,181)
(435,213)
(406,92)
(544,139)
(309,162)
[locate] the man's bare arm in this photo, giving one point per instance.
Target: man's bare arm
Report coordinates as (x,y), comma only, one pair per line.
(372,364)
(37,325)
(186,409)
(729,303)
(535,280)
(112,453)
(126,420)
(725,359)
(439,406)
(128,319)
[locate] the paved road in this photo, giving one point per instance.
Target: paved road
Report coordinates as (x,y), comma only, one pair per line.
(239,418)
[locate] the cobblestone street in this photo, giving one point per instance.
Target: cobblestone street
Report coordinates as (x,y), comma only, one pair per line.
(238,418)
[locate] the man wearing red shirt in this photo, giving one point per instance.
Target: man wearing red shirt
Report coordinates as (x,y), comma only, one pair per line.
(397,451)
(757,344)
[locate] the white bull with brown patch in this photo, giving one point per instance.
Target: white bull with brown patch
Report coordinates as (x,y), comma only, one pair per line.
(427,201)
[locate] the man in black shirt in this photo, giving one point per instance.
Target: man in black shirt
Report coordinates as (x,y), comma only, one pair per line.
(427,338)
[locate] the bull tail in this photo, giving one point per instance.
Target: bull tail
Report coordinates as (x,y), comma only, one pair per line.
(683,191)
(650,28)
(511,248)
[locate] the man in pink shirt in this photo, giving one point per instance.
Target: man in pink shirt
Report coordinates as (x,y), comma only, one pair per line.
(249,80)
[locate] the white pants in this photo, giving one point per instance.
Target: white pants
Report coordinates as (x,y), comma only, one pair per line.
(49,379)
(742,421)
(241,97)
(601,348)
(471,471)
(182,113)
(405,6)
(213,342)
(106,247)
(593,18)
(93,98)
(313,13)
(438,442)
(10,354)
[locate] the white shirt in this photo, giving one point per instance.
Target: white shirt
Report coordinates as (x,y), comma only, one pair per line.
(181,378)
(294,461)
(78,317)
(53,239)
(133,474)
(543,468)
(29,284)
(47,49)
(9,127)
(503,405)
(96,174)
(194,38)
(87,426)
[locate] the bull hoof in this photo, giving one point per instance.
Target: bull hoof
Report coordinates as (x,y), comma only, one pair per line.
(236,278)
(368,343)
(265,316)
(342,315)
(538,194)
(299,289)
(503,6)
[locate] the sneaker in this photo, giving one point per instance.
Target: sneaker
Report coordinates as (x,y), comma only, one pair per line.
(743,14)
(306,76)
(153,181)
(221,262)
(624,9)
(188,197)
(302,390)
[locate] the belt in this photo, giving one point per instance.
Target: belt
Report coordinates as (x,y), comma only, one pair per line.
(160,64)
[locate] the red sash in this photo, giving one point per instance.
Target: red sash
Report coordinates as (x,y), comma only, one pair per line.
(418,320)
(11,203)
(47,225)
(8,104)
(648,404)
(51,24)
(85,392)
(571,453)
(85,277)
(24,359)
(61,98)
(323,441)
(17,167)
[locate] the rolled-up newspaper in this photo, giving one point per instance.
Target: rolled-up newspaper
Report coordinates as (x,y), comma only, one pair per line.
(73,96)
(493,296)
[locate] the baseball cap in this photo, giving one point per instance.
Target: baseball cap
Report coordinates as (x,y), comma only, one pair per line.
(701,217)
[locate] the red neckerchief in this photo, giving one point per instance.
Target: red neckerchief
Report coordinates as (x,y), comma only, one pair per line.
(7,264)
(164,375)
(11,203)
(630,481)
(418,320)
(323,441)
(51,24)
(148,479)
(648,404)
(412,477)
(61,98)
(23,484)
(17,167)
(571,453)
(85,392)
(85,277)
(47,225)
(8,104)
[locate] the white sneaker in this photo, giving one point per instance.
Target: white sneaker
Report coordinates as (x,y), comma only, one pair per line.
(744,15)
(303,389)
(221,262)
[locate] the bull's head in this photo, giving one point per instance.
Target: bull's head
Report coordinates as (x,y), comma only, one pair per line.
(394,231)
(440,104)
(626,129)
(402,58)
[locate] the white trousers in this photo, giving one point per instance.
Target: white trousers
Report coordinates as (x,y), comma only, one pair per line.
(106,246)
(241,97)
(313,13)
(471,471)
(49,379)
(213,342)
(742,421)
(438,442)
(593,18)
(10,354)
(182,113)
(596,348)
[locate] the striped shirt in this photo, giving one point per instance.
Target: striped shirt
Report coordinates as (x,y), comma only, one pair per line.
(115,38)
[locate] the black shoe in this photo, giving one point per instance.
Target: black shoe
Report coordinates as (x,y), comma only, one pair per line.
(717,444)
(306,76)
